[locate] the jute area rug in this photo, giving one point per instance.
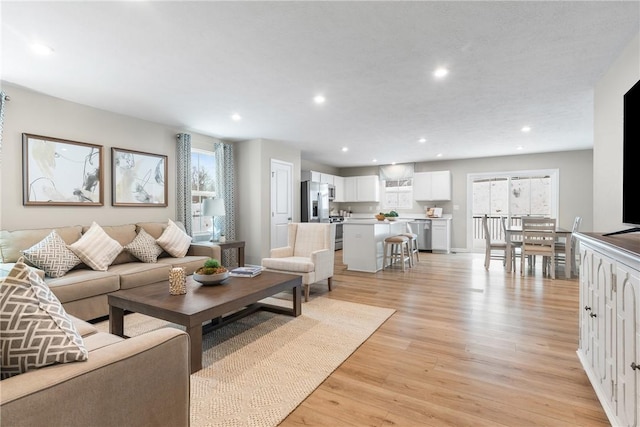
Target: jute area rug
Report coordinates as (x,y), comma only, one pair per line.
(260,368)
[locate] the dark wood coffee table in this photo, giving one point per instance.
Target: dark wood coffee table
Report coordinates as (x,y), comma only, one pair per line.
(236,297)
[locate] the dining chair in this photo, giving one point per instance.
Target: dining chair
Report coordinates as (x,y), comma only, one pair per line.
(573,250)
(538,238)
(491,247)
(516,245)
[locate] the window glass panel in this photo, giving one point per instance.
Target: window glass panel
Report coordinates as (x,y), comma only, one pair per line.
(203,185)
(397,194)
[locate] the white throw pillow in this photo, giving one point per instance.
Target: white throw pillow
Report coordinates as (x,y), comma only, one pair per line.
(36,330)
(175,241)
(144,247)
(52,255)
(96,249)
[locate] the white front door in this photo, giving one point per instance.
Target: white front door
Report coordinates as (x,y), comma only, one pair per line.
(281,202)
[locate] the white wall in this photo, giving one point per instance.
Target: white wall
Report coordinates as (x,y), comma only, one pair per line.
(34,113)
(607,146)
(254,192)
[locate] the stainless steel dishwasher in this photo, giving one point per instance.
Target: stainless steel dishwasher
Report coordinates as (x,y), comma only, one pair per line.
(422,227)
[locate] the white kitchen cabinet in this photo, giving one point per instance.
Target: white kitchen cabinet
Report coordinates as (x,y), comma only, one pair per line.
(362,188)
(432,185)
(338,183)
(609,317)
(315,176)
(325,178)
(441,235)
(368,188)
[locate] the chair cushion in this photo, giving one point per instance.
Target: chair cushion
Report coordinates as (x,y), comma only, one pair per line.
(36,330)
(52,255)
(294,264)
(96,249)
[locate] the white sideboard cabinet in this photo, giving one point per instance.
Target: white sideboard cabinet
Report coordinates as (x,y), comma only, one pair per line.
(609,342)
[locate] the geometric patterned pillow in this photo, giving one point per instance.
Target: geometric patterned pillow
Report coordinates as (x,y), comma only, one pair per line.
(175,241)
(52,255)
(96,249)
(35,329)
(144,247)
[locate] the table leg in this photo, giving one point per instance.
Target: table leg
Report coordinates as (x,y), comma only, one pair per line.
(567,258)
(297,301)
(116,321)
(241,256)
(508,250)
(195,337)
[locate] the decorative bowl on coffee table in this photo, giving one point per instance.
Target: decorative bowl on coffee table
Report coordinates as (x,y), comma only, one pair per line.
(210,279)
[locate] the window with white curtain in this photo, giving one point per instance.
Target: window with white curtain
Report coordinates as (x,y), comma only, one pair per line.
(397,194)
(397,186)
(203,185)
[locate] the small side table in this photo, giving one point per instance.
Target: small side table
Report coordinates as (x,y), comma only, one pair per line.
(239,245)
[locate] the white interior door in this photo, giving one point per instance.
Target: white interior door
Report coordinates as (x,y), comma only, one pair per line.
(281,201)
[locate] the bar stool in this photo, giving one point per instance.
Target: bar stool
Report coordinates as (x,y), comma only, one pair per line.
(398,249)
(413,245)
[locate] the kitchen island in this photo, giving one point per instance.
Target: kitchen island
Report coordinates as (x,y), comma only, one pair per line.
(363,242)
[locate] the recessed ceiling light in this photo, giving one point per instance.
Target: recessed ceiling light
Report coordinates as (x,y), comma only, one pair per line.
(393,163)
(345,149)
(440,72)
(526,129)
(519,147)
(41,49)
(439,155)
(319,99)
(422,140)
(236,117)
(375,160)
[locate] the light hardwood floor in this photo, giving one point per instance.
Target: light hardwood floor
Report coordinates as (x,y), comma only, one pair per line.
(466,347)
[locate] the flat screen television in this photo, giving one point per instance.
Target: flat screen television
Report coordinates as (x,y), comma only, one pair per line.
(631,161)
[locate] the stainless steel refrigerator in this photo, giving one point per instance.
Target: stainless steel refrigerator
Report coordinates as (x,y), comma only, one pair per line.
(314,197)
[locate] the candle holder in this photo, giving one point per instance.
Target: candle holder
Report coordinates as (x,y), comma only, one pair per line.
(177,281)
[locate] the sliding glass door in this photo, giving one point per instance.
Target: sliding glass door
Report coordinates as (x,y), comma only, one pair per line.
(511,195)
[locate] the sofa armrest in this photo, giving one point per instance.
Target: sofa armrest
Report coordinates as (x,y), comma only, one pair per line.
(207,249)
(139,381)
(282,252)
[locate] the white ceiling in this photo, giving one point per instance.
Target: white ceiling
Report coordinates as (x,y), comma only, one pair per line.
(193,64)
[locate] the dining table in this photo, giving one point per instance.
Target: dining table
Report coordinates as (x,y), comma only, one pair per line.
(513,233)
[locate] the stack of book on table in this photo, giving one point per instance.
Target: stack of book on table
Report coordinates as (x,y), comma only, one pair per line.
(246,271)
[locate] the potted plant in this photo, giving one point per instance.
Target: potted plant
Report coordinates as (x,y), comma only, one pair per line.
(391,216)
(211,273)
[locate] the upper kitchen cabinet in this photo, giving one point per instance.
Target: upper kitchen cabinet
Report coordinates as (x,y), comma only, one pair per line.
(314,176)
(432,185)
(338,183)
(362,188)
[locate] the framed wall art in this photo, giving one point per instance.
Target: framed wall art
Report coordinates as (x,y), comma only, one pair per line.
(138,179)
(57,172)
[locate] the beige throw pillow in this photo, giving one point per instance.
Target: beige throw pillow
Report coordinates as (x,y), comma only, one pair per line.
(175,241)
(96,249)
(144,247)
(36,330)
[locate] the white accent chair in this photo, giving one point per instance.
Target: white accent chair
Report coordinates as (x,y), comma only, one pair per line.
(309,253)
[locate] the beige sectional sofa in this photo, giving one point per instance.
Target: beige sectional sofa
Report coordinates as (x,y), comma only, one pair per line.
(140,381)
(83,291)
